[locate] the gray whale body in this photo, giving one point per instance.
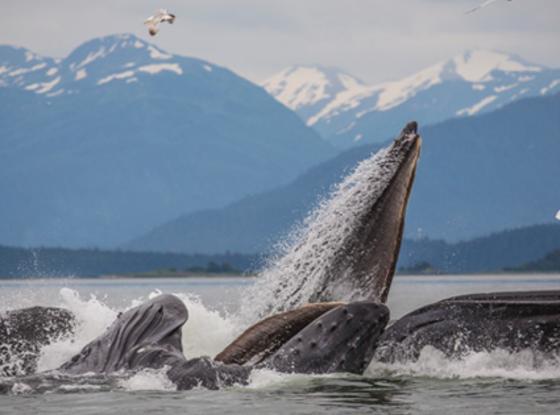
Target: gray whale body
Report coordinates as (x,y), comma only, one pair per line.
(149,336)
(511,321)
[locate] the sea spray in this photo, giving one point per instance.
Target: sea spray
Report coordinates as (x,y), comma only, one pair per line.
(309,255)
(523,365)
(206,332)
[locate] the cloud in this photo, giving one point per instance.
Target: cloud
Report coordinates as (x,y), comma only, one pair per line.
(374,39)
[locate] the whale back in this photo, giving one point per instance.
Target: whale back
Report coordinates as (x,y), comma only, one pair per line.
(511,321)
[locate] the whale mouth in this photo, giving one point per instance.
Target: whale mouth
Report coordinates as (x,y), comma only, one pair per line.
(367,260)
(346,249)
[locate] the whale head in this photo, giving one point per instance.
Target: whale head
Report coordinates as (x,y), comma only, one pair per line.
(341,340)
(347,248)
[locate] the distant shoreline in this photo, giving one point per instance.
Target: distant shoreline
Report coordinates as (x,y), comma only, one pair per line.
(195,275)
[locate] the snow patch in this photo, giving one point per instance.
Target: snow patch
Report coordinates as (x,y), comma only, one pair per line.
(478,87)
(525,78)
(3,69)
(503,88)
(138,44)
(129,65)
(297,87)
(550,87)
(478,106)
(92,56)
(395,93)
(207,68)
(47,86)
(121,75)
(156,68)
(52,71)
(18,72)
(475,66)
(56,93)
(131,80)
(81,74)
(29,56)
(32,87)
(157,54)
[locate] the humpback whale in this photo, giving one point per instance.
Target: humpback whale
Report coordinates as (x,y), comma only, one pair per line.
(349,246)
(511,321)
(323,308)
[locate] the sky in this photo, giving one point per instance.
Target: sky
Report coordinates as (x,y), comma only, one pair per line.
(375,40)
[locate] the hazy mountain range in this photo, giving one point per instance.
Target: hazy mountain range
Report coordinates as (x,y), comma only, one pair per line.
(123,144)
(120,136)
(348,112)
(476,176)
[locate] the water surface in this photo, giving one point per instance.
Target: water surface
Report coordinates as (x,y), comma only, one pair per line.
(496,382)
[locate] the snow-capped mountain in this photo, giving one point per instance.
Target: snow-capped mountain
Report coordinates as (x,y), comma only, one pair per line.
(121,136)
(308,89)
(347,111)
(119,58)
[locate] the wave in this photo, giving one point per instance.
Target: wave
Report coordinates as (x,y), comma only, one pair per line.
(499,363)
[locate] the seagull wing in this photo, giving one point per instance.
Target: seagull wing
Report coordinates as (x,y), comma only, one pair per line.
(169,18)
(481,6)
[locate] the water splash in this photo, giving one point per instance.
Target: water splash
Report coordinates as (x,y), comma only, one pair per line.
(307,257)
(206,333)
(523,365)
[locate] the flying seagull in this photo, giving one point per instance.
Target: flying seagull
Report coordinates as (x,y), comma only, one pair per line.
(481,6)
(162,15)
(558,215)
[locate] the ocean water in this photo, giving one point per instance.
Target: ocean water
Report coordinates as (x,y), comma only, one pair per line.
(481,383)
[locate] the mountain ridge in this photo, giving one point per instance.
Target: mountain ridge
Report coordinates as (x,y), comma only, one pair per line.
(140,136)
(475,176)
(473,82)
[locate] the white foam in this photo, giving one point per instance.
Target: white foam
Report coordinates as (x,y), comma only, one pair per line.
(206,332)
(524,365)
(92,317)
(20,388)
(148,379)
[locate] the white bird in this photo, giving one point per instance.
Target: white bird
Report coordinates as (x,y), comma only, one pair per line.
(481,6)
(558,215)
(162,15)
